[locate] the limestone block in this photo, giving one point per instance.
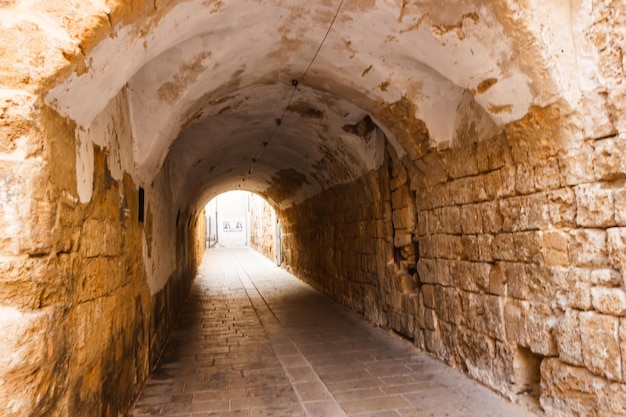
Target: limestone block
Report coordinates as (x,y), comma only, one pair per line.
(595,206)
(468,190)
(492,154)
(561,207)
(588,248)
(541,321)
(428,296)
(484,313)
(548,175)
(601,345)
(469,248)
(577,165)
(515,318)
(97,277)
(619,197)
(471,276)
(525,179)
(609,160)
(438,197)
(33,283)
(399,177)
(405,283)
(447,304)
(569,340)
(28,355)
(26,220)
(575,290)
(441,246)
(555,248)
(472,219)
(492,218)
(500,183)
(528,247)
(434,343)
(503,247)
(434,271)
(100,238)
(567,389)
(485,243)
(476,352)
(516,280)
(401,198)
(460,161)
(449,220)
(430,319)
(617,247)
(405,218)
(609,300)
(606,277)
(423,225)
(524,213)
(493,184)
(402,238)
(498,279)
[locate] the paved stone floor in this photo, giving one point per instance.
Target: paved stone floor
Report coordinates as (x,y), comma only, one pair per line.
(254,341)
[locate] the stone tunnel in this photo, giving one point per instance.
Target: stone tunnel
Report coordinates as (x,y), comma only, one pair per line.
(453,171)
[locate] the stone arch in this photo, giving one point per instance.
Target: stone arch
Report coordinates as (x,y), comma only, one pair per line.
(477,168)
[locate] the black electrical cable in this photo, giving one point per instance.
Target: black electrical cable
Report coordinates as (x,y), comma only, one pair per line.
(295,83)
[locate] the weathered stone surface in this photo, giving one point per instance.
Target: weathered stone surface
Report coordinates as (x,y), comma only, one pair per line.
(606,277)
(570,388)
(555,248)
(447,304)
(562,207)
(575,289)
(516,314)
(472,219)
(617,247)
(484,313)
(600,344)
(540,330)
(609,300)
(569,339)
(588,248)
(595,206)
(521,207)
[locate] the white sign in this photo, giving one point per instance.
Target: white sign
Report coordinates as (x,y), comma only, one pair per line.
(233,225)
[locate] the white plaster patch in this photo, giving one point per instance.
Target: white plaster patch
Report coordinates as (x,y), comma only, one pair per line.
(84,167)
(508,99)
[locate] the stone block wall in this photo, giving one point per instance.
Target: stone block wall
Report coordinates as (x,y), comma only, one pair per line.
(502,257)
(262,224)
(340,243)
(80,325)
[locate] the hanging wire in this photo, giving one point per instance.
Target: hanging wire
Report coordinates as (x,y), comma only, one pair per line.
(295,83)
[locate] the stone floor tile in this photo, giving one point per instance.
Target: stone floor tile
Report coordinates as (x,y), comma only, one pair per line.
(382,414)
(359,394)
(220,395)
(326,408)
(375,404)
(301,374)
(210,406)
(311,391)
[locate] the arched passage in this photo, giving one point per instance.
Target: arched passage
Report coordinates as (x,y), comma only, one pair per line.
(436,166)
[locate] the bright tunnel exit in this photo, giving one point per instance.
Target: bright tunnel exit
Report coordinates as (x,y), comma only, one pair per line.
(242,218)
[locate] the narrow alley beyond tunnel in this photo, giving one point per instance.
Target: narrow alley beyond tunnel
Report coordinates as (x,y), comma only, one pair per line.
(252,340)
